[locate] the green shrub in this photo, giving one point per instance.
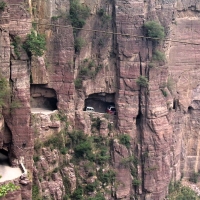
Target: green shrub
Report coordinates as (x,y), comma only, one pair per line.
(54,142)
(37,144)
(164,92)
(84,71)
(179,192)
(127,161)
(98,196)
(78,13)
(103,16)
(102,156)
(78,44)
(136,182)
(154,30)
(54,18)
(107,177)
(35,44)
(96,123)
(8,187)
(125,140)
(17,45)
(2,5)
(36,193)
(152,65)
(78,193)
(36,158)
(84,150)
(76,137)
(170,84)
(194,177)
(158,56)
(78,83)
(4,91)
(67,184)
(15,104)
(91,187)
(142,81)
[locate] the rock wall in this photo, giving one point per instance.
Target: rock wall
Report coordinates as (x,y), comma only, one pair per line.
(163,127)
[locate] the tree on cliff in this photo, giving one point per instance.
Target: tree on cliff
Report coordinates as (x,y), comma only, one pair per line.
(154,30)
(35,44)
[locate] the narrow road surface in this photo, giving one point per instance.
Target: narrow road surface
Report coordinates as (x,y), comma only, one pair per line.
(7,172)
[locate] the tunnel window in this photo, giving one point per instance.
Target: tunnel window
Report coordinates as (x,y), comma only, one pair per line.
(100,101)
(6,171)
(44,98)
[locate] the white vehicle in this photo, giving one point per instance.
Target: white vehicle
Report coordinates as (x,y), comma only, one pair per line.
(89,109)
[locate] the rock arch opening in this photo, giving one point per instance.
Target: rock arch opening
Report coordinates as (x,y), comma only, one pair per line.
(43,97)
(6,171)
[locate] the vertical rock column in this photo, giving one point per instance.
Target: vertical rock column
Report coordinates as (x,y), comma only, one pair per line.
(131,53)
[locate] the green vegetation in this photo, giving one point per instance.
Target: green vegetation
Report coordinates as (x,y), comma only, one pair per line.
(154,30)
(170,84)
(15,104)
(87,69)
(128,160)
(103,16)
(98,196)
(106,177)
(4,91)
(2,5)
(36,193)
(55,141)
(125,140)
(78,44)
(78,13)
(78,193)
(35,44)
(158,56)
(17,45)
(179,192)
(9,187)
(142,81)
(54,18)
(96,123)
(78,83)
(164,92)
(194,177)
(136,182)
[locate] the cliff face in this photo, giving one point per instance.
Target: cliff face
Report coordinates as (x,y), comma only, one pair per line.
(93,67)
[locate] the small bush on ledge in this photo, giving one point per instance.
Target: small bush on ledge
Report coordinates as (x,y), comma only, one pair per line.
(78,44)
(35,44)
(158,56)
(125,140)
(78,83)
(78,13)
(2,5)
(6,188)
(154,30)
(142,81)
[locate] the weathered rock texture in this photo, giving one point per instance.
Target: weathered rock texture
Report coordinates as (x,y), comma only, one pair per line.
(164,128)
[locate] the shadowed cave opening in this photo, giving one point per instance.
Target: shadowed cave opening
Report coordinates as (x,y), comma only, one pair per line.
(43,98)
(100,101)
(6,171)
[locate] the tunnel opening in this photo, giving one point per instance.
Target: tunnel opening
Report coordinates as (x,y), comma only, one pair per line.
(190,108)
(4,159)
(100,101)
(7,172)
(43,98)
